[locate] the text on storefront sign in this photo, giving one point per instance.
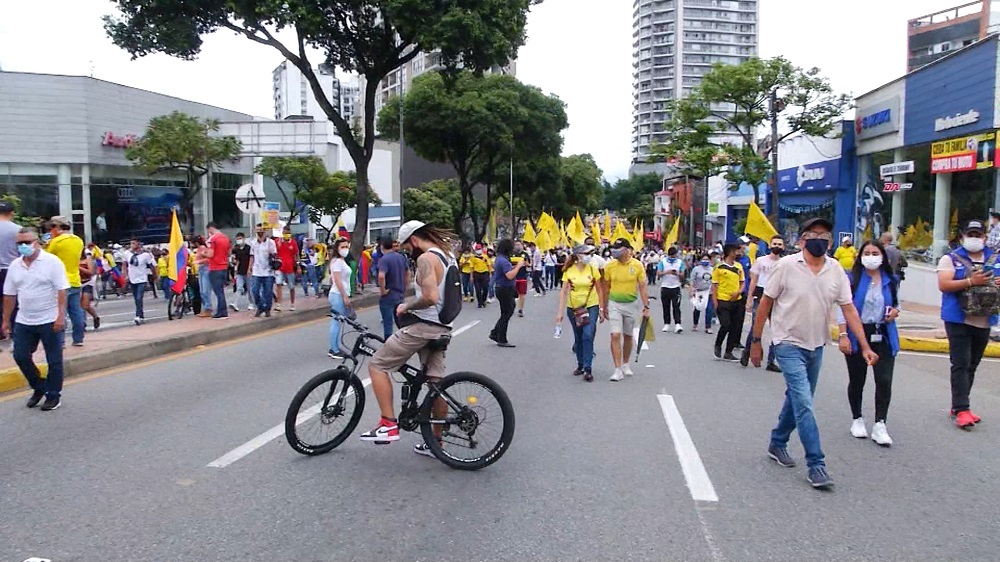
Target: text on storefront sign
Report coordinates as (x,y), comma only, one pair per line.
(896,168)
(977,152)
(113,140)
(958,120)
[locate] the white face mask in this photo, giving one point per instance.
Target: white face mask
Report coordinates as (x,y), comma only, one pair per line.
(871,262)
(343,252)
(585,259)
(973,245)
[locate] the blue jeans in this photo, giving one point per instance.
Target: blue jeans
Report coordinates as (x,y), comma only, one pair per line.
(336,305)
(262,289)
(138,291)
(753,320)
(26,340)
(242,291)
(218,279)
(308,278)
(800,367)
(467,291)
(205,288)
(709,314)
(74,311)
(583,338)
(387,306)
(165,285)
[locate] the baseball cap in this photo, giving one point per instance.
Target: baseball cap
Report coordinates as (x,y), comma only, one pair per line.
(622,243)
(583,249)
(408,229)
(817,221)
(6,208)
(60,220)
(744,239)
(974,226)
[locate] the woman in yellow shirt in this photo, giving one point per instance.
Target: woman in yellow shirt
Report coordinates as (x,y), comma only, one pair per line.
(465,265)
(580,298)
(480,276)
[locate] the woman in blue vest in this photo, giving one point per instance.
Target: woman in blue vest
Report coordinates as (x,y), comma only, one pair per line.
(874,287)
(971,265)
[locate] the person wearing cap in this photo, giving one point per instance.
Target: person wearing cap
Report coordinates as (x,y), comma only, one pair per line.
(393,279)
(971,265)
(846,254)
(800,291)
(993,240)
(625,289)
(581,291)
(68,247)
(8,242)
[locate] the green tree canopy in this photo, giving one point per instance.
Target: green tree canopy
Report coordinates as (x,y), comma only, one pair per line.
(437,202)
(293,176)
(332,197)
(370,37)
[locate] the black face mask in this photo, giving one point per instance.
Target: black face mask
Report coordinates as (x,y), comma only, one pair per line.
(776,250)
(816,246)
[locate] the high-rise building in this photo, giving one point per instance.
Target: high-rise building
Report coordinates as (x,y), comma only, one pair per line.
(675,43)
(293,97)
(933,36)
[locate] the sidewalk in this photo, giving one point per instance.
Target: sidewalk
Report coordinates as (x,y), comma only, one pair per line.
(106,349)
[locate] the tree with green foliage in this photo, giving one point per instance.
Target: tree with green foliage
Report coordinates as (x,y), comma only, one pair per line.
(294,175)
(182,143)
(736,100)
(477,124)
(332,197)
(21,219)
(633,197)
(371,37)
(438,202)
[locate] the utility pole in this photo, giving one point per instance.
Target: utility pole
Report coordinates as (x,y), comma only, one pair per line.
(401,186)
(775,106)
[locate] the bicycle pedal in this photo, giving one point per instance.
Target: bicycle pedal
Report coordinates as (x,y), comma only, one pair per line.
(381,442)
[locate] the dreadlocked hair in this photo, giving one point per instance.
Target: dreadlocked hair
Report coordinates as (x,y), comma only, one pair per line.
(440,237)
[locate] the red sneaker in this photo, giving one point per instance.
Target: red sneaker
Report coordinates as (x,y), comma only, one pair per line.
(965,420)
(385,432)
(975,418)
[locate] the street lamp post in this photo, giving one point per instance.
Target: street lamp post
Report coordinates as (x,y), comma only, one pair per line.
(775,106)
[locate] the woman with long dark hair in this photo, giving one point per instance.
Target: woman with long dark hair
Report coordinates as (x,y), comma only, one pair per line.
(504,273)
(340,291)
(875,288)
(580,297)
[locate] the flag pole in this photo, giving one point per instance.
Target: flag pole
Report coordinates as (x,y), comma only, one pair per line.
(512,227)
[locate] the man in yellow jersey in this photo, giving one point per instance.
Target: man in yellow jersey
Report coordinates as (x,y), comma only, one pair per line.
(846,254)
(68,247)
(480,275)
(624,281)
(465,265)
(727,297)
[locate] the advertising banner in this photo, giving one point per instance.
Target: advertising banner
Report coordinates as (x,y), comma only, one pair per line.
(269,216)
(963,154)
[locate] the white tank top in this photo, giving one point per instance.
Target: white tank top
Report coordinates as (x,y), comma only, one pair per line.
(432,314)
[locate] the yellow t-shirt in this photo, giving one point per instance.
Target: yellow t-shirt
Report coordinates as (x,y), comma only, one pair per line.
(624,279)
(465,263)
(846,256)
(730,280)
(320,253)
(581,282)
(480,264)
(68,248)
(110,259)
(161,267)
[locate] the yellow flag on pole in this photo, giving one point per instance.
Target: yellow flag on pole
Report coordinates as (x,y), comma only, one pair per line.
(621,231)
(671,238)
(640,235)
(607,226)
(757,224)
(752,252)
(529,233)
(546,222)
(575,229)
(595,231)
(544,241)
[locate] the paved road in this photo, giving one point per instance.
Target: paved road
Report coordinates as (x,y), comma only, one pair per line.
(120,472)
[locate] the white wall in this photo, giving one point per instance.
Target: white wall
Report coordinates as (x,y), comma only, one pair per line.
(802,149)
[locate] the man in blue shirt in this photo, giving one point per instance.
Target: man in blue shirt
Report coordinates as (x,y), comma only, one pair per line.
(504,275)
(393,278)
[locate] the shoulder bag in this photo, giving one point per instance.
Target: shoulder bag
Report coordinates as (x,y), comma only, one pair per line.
(581,315)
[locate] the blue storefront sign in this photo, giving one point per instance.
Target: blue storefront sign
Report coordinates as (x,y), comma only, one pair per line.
(953,97)
(820,176)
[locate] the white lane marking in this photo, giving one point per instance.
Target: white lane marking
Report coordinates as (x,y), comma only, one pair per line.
(943,356)
(650,366)
(268,436)
(279,430)
(694,471)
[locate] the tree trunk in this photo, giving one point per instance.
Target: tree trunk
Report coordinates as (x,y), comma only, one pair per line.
(361,209)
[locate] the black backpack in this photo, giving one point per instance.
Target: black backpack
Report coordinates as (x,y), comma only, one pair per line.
(451,300)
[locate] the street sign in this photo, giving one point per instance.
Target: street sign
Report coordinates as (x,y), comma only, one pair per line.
(891,187)
(249,199)
(896,168)
(269,216)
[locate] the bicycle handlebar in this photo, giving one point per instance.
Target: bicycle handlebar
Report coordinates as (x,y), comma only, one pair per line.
(350,322)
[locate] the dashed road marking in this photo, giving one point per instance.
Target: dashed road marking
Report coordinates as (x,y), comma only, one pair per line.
(694,471)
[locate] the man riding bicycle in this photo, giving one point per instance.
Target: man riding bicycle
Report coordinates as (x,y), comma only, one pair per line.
(419,318)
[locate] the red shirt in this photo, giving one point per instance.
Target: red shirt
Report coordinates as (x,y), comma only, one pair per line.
(220,243)
(288,253)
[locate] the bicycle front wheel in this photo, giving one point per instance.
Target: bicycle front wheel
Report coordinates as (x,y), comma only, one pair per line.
(470,421)
(325,411)
(176,307)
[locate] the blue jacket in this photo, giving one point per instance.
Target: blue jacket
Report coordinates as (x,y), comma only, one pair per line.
(859,300)
(951,310)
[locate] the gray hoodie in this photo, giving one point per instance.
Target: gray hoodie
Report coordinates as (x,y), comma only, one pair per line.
(701,277)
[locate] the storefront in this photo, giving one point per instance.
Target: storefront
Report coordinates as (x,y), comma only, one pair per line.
(62,152)
(816,178)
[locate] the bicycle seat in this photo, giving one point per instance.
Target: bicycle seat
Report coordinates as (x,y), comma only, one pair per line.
(440,344)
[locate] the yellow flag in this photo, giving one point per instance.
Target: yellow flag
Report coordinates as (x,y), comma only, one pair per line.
(640,235)
(561,238)
(595,231)
(671,238)
(543,241)
(757,224)
(575,229)
(491,228)
(607,226)
(621,232)
(529,233)
(546,222)
(752,252)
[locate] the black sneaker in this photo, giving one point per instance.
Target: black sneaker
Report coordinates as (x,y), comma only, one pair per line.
(818,477)
(773,367)
(505,344)
(493,336)
(36,397)
(718,352)
(423,449)
(745,357)
(578,372)
(781,456)
(97,323)
(588,375)
(520,314)
(729,357)
(50,404)
(267,314)
(258,313)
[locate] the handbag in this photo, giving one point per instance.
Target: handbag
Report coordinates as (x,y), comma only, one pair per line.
(581,315)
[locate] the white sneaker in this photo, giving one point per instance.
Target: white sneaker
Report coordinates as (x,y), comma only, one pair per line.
(234,307)
(617,376)
(277,306)
(708,331)
(678,329)
(880,435)
(666,328)
(858,428)
(292,308)
(251,307)
(627,370)
(137,320)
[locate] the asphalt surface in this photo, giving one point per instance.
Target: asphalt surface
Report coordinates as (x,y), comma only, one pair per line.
(120,472)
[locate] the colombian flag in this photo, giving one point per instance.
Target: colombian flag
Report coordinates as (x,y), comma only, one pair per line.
(177,257)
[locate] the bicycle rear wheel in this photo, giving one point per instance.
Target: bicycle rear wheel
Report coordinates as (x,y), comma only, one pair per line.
(470,421)
(315,420)
(177,306)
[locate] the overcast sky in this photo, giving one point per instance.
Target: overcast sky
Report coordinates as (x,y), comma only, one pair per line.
(582,55)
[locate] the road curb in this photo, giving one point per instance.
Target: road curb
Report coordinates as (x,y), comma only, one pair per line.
(11,378)
(929,345)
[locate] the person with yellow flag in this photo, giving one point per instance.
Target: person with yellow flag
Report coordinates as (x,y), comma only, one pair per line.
(759,272)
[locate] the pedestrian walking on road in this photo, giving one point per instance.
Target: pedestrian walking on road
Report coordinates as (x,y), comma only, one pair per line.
(465,268)
(204,281)
(218,267)
(759,272)
(288,253)
(480,276)
(505,274)
(701,293)
(37,284)
(88,279)
(340,292)
(241,257)
(800,292)
(963,274)
(262,251)
(68,247)
(670,271)
(728,301)
(625,289)
(8,244)
(393,279)
(549,260)
(875,289)
(580,297)
(897,261)
(137,263)
(537,270)
(521,280)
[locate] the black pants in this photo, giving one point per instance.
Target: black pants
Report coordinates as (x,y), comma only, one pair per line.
(536,282)
(730,314)
(651,274)
(482,283)
(507,297)
(857,370)
(967,345)
(671,301)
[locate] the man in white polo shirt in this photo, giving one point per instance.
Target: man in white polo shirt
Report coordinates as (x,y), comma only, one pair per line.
(37,283)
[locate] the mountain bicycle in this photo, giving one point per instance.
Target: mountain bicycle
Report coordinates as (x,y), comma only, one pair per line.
(466,419)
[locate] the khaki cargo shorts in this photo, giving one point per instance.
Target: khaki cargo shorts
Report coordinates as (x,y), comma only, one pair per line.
(408,341)
(622,316)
